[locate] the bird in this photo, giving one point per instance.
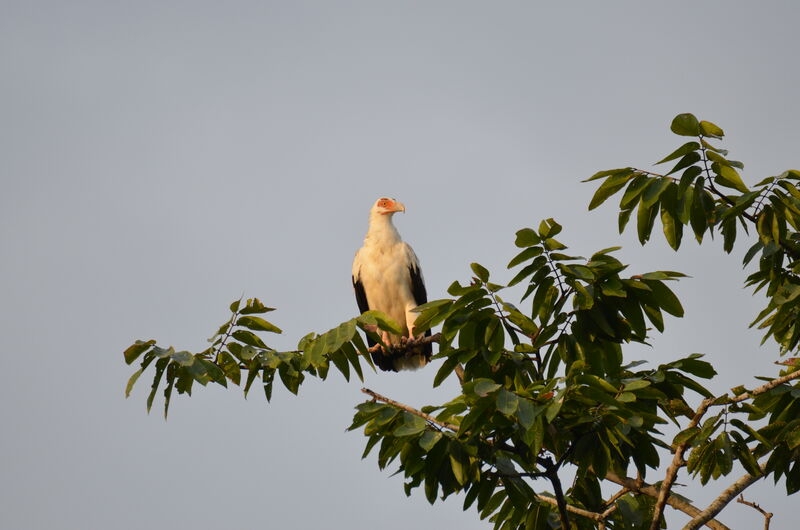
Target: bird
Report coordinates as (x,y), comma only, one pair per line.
(387,277)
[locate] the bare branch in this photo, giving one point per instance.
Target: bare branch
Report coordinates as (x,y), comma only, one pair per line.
(616,496)
(573,509)
(767,515)
(724,498)
(415,412)
(672,470)
(643,488)
(767,386)
(678,460)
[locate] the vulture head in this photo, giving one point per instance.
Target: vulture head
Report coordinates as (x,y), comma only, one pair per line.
(387,206)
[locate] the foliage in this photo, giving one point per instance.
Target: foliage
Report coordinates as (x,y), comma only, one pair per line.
(544,383)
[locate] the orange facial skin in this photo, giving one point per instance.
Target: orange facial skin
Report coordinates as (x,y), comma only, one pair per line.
(389,205)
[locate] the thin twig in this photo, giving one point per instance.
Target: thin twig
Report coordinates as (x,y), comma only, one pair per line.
(713,188)
(231,324)
(767,515)
(555,271)
(611,500)
(760,200)
(412,410)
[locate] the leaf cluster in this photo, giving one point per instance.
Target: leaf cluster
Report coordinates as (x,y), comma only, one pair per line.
(239,354)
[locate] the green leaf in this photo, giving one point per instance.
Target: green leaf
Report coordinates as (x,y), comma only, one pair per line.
(548,228)
(633,191)
(685,162)
(230,367)
(524,256)
(654,190)
(728,177)
(411,425)
(136,349)
(554,407)
(234,307)
(480,271)
(609,188)
(526,413)
(696,367)
(607,173)
(507,402)
(458,469)
(132,381)
(537,263)
(161,365)
(697,215)
(709,129)
(248,337)
(673,228)
(171,375)
(645,217)
(666,298)
(688,178)
(685,149)
(445,370)
(598,382)
(254,306)
(527,237)
(685,436)
(685,125)
(252,373)
(624,216)
(381,320)
(429,439)
(258,324)
(484,387)
(793,439)
(636,385)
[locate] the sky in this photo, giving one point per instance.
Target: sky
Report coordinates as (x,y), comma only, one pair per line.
(160,159)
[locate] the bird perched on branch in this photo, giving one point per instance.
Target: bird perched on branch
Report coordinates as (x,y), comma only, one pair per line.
(387,277)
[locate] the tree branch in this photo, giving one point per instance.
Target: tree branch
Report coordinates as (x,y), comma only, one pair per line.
(678,461)
(552,475)
(643,488)
(767,515)
(415,412)
(409,343)
(724,498)
(672,470)
(573,509)
(766,387)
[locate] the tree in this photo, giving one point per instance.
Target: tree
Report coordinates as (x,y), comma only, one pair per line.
(546,392)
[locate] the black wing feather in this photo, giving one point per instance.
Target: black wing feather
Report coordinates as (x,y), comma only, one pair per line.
(420,297)
(417,285)
(363,305)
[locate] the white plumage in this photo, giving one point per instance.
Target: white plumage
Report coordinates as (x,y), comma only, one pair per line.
(387,277)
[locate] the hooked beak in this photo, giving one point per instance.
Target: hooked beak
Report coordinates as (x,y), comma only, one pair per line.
(395,206)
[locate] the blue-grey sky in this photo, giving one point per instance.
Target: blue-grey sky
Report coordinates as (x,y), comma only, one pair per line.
(158,159)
